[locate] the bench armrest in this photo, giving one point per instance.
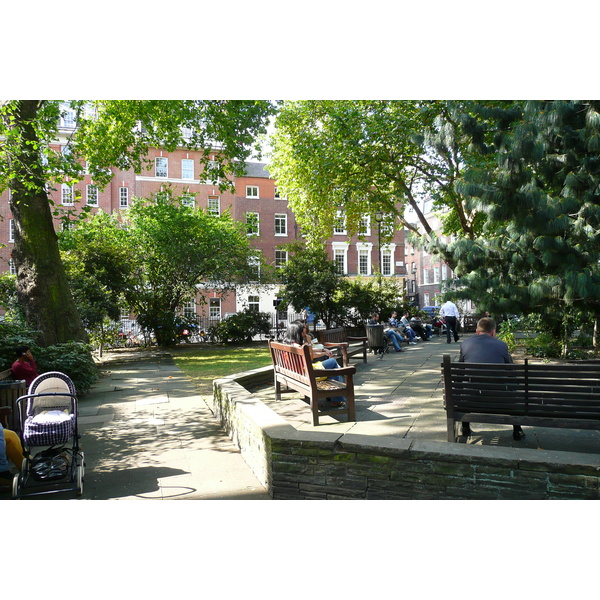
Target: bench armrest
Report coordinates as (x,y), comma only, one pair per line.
(334,344)
(357,339)
(331,372)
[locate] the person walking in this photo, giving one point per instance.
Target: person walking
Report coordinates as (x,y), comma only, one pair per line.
(449,311)
(485,347)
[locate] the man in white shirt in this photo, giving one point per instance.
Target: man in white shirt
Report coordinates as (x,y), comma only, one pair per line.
(450,312)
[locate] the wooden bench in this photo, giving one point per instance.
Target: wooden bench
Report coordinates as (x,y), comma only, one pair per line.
(10,390)
(542,395)
(346,346)
(293,368)
(469,323)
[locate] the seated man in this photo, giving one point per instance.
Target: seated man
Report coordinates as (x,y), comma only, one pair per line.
(395,337)
(412,336)
(424,331)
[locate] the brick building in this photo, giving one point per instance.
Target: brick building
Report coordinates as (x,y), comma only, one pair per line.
(256,202)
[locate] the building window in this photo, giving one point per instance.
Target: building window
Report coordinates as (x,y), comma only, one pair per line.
(67,117)
(254,269)
(161,166)
(426,299)
(280,224)
(12,267)
(281,257)
(425,276)
(339,257)
(11,230)
(188,200)
(364,227)
(252,223)
(363,261)
(66,194)
(187,168)
(339,227)
(444,272)
(386,262)
(214,308)
(277,195)
(214,206)
(252,191)
(436,274)
(253,303)
(91,192)
(123,197)
(189,309)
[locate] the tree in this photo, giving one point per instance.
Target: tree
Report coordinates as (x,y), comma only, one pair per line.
(540,248)
(108,134)
(364,156)
(174,249)
(98,260)
(310,280)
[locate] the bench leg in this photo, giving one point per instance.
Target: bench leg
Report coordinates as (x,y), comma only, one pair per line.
(277,389)
(451,424)
(314,407)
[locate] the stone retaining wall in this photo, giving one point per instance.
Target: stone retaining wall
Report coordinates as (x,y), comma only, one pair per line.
(294,464)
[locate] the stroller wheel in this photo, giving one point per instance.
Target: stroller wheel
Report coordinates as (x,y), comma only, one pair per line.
(15,485)
(79,479)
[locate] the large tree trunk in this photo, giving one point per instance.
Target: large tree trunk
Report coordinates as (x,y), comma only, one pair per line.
(42,287)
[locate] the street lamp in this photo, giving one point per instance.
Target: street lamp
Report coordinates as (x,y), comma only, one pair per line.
(379,216)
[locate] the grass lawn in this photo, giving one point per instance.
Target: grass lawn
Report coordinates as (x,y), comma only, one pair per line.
(206,362)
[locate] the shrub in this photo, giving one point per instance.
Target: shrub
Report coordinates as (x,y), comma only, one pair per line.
(243,326)
(74,359)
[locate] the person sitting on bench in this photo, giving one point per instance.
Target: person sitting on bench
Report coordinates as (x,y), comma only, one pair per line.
(485,347)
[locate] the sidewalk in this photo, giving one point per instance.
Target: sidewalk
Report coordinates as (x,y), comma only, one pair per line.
(148,434)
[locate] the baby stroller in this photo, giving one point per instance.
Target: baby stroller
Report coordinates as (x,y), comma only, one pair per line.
(53,461)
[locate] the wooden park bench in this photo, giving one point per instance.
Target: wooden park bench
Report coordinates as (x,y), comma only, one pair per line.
(346,346)
(10,390)
(542,395)
(293,368)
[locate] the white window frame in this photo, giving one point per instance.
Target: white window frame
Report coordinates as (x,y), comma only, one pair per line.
(11,230)
(364,227)
(12,268)
(425,276)
(339,227)
(66,192)
(214,308)
(340,249)
(67,117)
(279,255)
(444,272)
(188,199)
(386,262)
(123,196)
(185,168)
(213,206)
(158,170)
(281,218)
(277,195)
(254,303)
(252,191)
(255,224)
(189,308)
(254,263)
(91,198)
(426,296)
(366,250)
(436,275)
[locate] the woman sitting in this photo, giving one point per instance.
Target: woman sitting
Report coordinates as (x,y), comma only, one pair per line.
(297,335)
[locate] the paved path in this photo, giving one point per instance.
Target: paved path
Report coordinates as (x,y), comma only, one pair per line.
(148,434)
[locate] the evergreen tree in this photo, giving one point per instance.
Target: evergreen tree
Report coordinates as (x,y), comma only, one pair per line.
(539,249)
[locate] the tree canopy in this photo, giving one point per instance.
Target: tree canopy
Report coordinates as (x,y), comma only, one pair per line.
(106,134)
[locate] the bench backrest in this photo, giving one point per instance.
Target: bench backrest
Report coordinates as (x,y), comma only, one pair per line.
(332,335)
(291,361)
(566,391)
